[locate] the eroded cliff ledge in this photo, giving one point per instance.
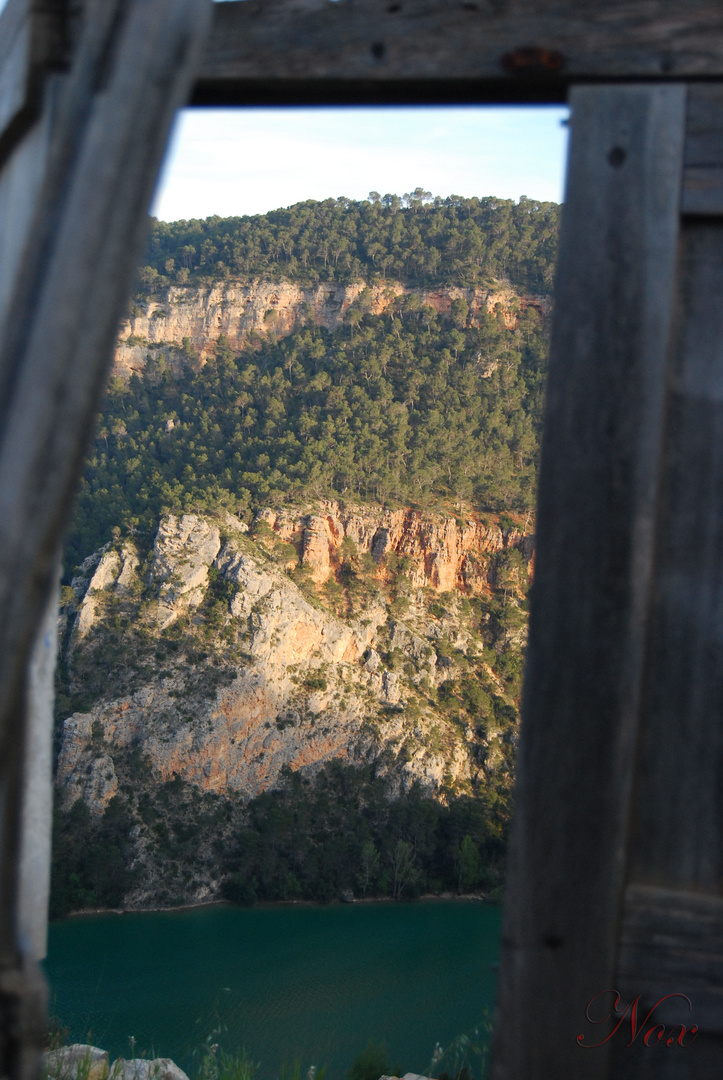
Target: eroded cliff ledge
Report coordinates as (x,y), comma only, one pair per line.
(199,314)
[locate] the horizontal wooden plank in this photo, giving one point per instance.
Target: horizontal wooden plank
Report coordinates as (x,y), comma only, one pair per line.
(296,51)
(672,943)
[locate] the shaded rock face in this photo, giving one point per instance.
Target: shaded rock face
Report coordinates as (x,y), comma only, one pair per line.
(201,313)
(91,777)
(271,679)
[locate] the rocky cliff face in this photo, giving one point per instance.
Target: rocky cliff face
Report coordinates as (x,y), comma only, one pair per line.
(226,657)
(201,313)
(442,553)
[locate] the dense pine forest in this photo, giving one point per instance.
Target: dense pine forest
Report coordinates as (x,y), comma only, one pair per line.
(407,407)
(415,239)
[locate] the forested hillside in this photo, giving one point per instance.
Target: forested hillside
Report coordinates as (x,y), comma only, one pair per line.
(406,408)
(416,239)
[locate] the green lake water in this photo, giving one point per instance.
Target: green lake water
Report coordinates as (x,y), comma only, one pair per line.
(287,982)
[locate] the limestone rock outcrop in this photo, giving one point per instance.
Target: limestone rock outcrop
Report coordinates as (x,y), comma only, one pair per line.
(200,313)
(90,1063)
(246,737)
(444,553)
(79,1059)
(235,666)
(144,1069)
(107,568)
(183,551)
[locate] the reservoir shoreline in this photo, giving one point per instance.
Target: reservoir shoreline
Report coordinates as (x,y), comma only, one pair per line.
(479,898)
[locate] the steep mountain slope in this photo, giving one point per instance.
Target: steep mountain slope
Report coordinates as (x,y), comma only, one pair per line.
(312,525)
(223,659)
(406,407)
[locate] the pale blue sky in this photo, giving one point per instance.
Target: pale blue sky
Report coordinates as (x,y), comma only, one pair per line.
(249,161)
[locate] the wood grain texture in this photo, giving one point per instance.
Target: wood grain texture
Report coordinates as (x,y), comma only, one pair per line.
(430,50)
(700,1060)
(671,943)
(110,121)
(20,182)
(672,935)
(677,840)
(703,174)
(112,126)
(598,487)
(37,809)
(15,35)
(34,38)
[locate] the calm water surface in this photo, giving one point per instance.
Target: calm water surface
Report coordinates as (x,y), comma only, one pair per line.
(284,982)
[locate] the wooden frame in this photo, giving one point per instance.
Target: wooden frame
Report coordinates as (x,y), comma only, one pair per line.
(82,149)
(434,51)
(262,52)
(34,41)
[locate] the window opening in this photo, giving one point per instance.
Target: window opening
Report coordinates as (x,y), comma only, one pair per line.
(232,539)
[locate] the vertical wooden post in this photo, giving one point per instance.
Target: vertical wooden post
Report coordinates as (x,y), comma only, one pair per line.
(672,936)
(72,266)
(36,816)
(598,488)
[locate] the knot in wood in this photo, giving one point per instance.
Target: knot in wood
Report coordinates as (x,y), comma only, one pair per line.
(532,60)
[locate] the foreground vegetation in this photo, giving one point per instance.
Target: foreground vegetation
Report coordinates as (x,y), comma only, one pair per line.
(466,1058)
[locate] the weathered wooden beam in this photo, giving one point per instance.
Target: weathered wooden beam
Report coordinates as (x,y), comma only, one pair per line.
(72,263)
(34,40)
(703,169)
(598,490)
(292,52)
(678,820)
(671,959)
(672,939)
(393,51)
(671,942)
